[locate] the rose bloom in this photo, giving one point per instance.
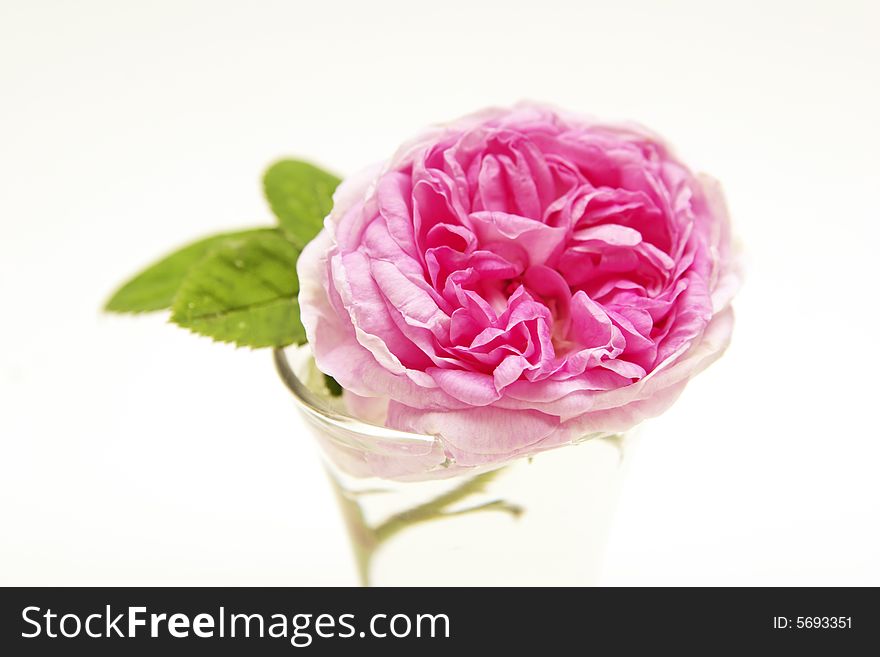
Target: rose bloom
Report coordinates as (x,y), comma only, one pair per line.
(515,281)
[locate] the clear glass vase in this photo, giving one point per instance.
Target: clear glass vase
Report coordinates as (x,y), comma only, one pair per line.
(541,520)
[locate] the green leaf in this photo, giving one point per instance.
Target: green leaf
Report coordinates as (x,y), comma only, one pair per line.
(154,288)
(300,195)
(333,386)
(244,292)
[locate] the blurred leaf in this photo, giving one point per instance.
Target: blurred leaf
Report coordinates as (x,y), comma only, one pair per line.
(333,386)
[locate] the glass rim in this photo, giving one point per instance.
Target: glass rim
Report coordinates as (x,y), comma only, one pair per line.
(313,406)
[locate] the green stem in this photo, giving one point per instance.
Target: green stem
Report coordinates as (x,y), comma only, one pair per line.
(366,540)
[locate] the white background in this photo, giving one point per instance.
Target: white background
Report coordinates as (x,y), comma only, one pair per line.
(136,453)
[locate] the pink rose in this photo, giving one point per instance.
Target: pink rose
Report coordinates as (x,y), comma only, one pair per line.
(517,280)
